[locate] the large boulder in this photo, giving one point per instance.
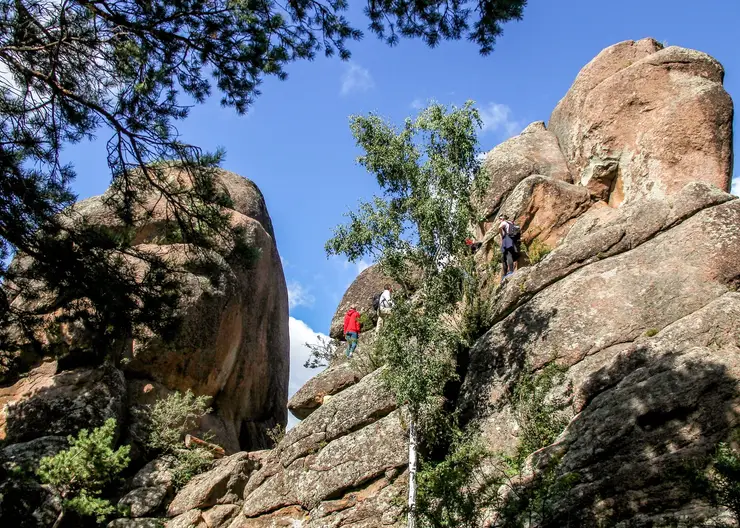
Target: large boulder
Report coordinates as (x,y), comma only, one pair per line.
(343,464)
(544,208)
(224,484)
(311,396)
(27,455)
(643,120)
(534,151)
(233,343)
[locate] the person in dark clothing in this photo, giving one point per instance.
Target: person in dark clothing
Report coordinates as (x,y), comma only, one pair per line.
(509,249)
(351,330)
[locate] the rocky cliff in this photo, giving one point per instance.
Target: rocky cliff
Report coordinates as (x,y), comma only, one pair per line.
(636,301)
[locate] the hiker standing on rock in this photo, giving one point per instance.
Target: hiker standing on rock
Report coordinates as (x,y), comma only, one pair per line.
(351,330)
(385,305)
(509,245)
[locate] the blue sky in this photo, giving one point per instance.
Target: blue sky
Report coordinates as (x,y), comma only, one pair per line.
(296,145)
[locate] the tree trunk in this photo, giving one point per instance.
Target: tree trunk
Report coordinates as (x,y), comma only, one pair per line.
(412,473)
(59,519)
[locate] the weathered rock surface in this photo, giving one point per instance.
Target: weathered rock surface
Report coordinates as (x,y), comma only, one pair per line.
(47,403)
(642,120)
(544,209)
(334,379)
(224,484)
(28,454)
(534,151)
(144,501)
(135,523)
(344,465)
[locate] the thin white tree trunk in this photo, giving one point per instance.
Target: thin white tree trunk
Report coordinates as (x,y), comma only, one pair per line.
(412,473)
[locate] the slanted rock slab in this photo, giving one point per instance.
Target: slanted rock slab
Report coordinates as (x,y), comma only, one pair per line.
(329,382)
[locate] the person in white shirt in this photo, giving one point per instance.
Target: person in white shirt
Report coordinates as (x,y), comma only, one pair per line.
(386,305)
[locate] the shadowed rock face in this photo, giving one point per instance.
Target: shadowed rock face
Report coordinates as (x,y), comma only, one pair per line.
(233,344)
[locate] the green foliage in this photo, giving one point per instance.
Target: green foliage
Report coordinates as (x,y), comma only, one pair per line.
(189,463)
(533,500)
(168,420)
(454,492)
(472,482)
(419,351)
(536,251)
(134,69)
(650,332)
(720,483)
(428,173)
(276,434)
(366,322)
(80,474)
(537,411)
(322,352)
(493,266)
(171,417)
(87,505)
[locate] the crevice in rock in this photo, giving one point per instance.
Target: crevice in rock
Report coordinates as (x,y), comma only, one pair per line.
(358,488)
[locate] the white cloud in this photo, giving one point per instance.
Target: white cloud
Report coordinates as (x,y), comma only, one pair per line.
(417,104)
(298,295)
(735,186)
(497,117)
(356,79)
(300,334)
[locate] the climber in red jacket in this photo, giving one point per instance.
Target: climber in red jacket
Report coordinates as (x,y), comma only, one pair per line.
(351,329)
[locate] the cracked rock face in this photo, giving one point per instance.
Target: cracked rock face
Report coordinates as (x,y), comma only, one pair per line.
(637,300)
(344,465)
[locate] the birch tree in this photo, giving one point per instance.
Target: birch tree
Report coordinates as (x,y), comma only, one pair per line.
(415,229)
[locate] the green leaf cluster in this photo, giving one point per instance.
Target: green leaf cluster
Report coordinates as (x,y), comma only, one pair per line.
(454,492)
(81,473)
(168,420)
(415,229)
(720,483)
(536,251)
(538,412)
